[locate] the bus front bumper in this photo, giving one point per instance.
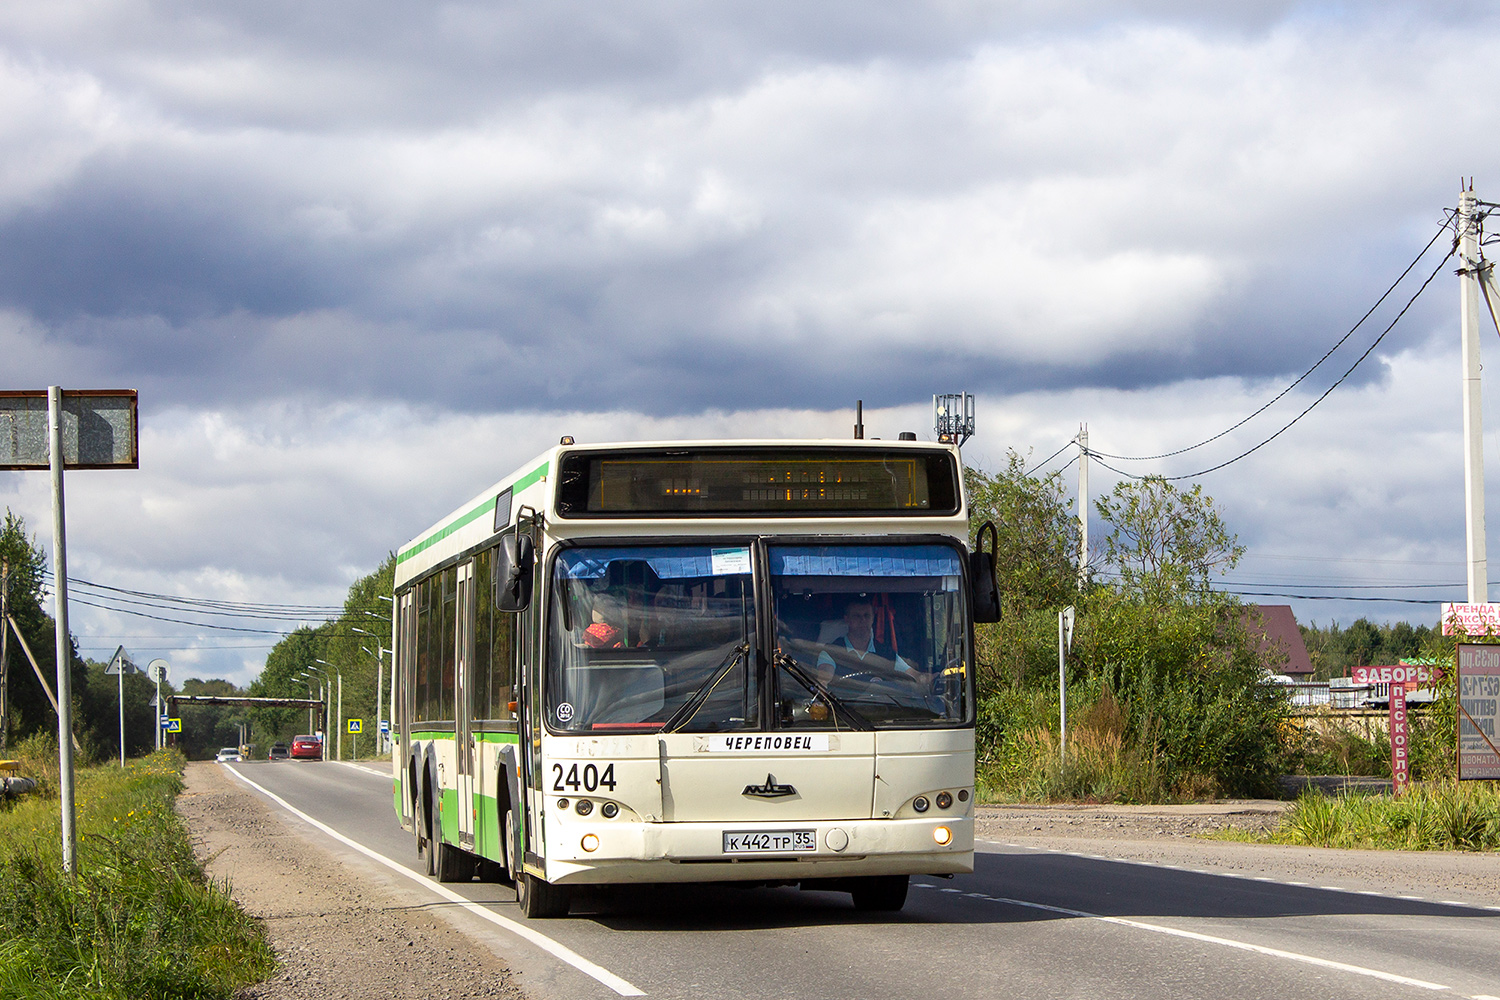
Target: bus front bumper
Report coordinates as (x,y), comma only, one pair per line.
(696,852)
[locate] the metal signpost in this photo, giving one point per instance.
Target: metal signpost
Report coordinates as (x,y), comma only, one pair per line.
(1065,619)
(121,664)
(78,429)
(356,726)
(157,670)
(1478,712)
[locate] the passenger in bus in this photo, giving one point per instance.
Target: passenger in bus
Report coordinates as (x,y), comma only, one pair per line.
(858,651)
(606,631)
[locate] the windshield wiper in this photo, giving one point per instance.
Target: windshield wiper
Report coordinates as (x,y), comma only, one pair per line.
(851,718)
(700,697)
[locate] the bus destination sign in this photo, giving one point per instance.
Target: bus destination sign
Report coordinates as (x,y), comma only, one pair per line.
(775,482)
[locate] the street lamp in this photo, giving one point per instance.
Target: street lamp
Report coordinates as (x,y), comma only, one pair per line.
(338,729)
(308,675)
(379,685)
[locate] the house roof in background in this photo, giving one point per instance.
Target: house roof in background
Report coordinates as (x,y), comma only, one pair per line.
(1278,627)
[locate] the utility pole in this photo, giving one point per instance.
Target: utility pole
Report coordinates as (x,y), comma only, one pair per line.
(1471,273)
(1083,505)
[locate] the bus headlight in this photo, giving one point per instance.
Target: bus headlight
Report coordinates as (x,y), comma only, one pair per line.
(590,843)
(944,800)
(584,807)
(943,836)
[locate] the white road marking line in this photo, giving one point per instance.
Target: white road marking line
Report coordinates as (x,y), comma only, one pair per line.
(362,767)
(1292,956)
(542,941)
(1258,878)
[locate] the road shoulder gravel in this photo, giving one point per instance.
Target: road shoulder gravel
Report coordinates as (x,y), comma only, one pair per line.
(338,933)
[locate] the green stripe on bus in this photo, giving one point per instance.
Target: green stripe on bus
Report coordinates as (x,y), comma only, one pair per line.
(481,737)
(488,507)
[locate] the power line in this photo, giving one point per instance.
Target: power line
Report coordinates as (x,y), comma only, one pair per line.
(1300,378)
(1050,457)
(1287,426)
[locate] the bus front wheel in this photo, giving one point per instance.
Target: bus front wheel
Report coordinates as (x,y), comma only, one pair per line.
(880,893)
(537,898)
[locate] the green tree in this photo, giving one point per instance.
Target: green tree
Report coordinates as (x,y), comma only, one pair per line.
(1166,544)
(29,709)
(1036,568)
(1036,557)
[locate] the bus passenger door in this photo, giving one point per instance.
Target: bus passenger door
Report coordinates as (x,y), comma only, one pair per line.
(463,728)
(528,677)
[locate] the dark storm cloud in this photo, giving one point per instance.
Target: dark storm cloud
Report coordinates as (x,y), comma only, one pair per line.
(664,207)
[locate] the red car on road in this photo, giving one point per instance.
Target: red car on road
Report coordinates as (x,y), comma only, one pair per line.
(307,748)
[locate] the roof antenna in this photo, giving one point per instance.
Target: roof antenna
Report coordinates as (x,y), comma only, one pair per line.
(859,420)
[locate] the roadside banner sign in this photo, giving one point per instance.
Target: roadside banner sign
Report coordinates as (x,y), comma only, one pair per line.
(1400,746)
(174,725)
(1471,619)
(356,726)
(1478,702)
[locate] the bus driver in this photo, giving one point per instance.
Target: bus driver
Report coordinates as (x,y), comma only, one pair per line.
(857,651)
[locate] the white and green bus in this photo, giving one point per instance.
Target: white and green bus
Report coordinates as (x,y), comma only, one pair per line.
(695,662)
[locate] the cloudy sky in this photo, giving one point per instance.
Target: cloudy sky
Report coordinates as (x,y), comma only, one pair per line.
(362,259)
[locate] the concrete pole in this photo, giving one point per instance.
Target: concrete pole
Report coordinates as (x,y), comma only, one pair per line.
(64,641)
(338,729)
(1083,505)
(4,654)
(1468,310)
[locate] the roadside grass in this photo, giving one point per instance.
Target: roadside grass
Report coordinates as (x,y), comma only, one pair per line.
(1428,817)
(140,919)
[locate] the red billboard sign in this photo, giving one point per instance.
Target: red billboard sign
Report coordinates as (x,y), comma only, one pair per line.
(1409,674)
(1400,745)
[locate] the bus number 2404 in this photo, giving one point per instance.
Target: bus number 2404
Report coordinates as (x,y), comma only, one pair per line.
(590,780)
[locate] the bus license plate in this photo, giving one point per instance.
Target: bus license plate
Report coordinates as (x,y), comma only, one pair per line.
(769,841)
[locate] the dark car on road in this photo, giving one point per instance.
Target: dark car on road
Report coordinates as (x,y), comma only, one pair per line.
(279,751)
(307,748)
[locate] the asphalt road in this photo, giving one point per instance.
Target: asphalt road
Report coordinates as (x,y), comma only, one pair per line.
(1028,923)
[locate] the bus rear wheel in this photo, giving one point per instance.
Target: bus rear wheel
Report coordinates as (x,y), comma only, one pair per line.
(879,893)
(453,864)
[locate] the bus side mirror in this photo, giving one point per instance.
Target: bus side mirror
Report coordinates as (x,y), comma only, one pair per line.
(513,561)
(986,591)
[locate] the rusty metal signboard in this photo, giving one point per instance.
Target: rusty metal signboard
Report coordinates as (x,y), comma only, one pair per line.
(1478,701)
(99,429)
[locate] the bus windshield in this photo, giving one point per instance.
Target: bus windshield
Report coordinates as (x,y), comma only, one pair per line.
(869,636)
(653,638)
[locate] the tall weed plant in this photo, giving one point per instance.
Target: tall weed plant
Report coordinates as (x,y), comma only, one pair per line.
(1433,816)
(138,919)
(1165,703)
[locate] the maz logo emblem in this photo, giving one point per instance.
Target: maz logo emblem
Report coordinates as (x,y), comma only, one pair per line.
(770,790)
